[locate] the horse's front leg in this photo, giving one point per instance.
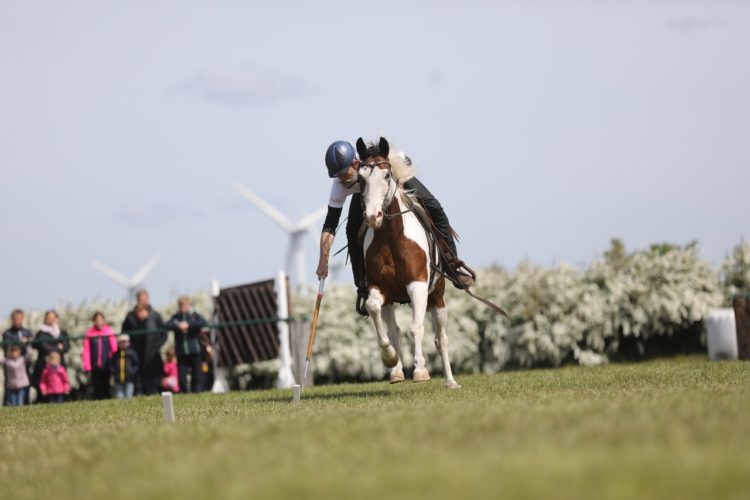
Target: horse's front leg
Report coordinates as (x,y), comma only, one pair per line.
(418,291)
(389,316)
(374,306)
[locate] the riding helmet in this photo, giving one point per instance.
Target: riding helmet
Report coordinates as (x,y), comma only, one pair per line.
(339,156)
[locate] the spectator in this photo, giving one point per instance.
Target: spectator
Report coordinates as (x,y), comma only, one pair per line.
(124,368)
(49,338)
(147,345)
(54,383)
(98,346)
(16,335)
(16,376)
(169,381)
(187,325)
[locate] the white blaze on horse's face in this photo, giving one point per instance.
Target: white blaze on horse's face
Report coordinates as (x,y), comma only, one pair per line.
(377,193)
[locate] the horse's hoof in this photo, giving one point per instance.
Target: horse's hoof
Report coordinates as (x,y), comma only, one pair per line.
(452,384)
(421,375)
(397,377)
(389,357)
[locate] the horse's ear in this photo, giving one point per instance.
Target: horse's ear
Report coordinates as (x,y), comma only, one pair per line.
(361,149)
(383,147)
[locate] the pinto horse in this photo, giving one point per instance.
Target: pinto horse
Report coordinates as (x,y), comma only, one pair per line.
(399,262)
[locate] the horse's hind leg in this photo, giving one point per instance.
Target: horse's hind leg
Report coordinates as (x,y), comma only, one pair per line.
(374,306)
(389,316)
(440,322)
(417,291)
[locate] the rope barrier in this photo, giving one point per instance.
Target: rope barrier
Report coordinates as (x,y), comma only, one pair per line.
(154,331)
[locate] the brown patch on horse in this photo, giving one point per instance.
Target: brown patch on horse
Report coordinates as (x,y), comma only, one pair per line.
(393,260)
(437,297)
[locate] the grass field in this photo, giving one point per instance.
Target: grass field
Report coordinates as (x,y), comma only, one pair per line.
(666,429)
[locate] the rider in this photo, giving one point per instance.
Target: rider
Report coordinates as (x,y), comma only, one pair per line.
(343,162)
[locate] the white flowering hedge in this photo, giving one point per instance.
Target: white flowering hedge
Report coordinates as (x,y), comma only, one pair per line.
(557,315)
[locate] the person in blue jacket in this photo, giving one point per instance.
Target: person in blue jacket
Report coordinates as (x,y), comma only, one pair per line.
(187,325)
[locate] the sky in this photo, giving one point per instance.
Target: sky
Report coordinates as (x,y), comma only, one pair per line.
(545,128)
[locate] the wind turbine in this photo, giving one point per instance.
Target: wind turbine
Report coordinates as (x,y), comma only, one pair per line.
(130,284)
(295,252)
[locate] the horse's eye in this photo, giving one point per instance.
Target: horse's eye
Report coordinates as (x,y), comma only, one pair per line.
(387,176)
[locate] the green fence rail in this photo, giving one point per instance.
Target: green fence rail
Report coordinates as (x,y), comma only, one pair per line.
(154,331)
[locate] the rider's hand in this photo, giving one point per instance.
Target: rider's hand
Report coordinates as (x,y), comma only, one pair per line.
(322,271)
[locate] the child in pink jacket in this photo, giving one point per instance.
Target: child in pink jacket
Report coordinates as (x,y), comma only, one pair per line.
(99,345)
(54,383)
(169,381)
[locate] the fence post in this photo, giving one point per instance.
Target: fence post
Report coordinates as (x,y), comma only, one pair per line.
(220,374)
(286,378)
(742,322)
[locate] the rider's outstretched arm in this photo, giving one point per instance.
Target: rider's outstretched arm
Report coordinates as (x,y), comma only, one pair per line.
(326,240)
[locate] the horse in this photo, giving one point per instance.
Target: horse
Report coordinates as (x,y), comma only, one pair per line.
(399,261)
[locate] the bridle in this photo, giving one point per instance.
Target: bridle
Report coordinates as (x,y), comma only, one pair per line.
(388,198)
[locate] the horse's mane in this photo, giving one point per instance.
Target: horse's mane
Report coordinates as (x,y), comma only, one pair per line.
(401,165)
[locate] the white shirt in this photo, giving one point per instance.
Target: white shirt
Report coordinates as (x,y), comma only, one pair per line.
(339,193)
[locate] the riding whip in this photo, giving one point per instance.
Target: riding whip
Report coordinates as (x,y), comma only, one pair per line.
(313,326)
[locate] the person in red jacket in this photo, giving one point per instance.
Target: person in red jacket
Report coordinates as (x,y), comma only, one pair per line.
(54,383)
(99,345)
(169,381)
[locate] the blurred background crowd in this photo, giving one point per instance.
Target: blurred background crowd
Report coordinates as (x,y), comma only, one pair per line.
(147,357)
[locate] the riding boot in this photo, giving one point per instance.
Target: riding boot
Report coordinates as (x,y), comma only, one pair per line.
(461,275)
(360,280)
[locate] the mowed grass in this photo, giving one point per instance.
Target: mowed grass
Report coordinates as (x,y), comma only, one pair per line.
(666,429)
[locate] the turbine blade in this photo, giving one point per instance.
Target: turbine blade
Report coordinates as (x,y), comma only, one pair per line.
(265,207)
(311,218)
(143,272)
(111,273)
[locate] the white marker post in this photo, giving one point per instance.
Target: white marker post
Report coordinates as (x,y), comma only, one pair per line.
(297,393)
(166,399)
(285,379)
(220,374)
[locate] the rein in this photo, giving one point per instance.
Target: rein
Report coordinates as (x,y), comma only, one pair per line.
(388,199)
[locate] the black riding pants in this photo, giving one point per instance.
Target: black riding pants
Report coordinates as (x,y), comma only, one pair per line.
(356,217)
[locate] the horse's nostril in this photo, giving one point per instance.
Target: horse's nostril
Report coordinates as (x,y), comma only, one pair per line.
(380,214)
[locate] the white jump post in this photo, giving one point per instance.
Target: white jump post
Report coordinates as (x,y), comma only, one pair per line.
(286,378)
(166,401)
(220,374)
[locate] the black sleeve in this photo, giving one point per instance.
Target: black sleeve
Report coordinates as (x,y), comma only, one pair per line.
(332,220)
(159,320)
(172,324)
(129,323)
(197,322)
